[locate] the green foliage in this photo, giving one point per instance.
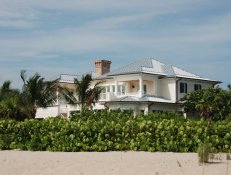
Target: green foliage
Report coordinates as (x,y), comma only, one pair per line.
(211,103)
(86,96)
(36,93)
(9,102)
(114,131)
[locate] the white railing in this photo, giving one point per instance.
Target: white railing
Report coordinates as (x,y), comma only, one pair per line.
(111,95)
(128,94)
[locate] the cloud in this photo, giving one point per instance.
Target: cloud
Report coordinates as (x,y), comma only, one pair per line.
(59,30)
(103,35)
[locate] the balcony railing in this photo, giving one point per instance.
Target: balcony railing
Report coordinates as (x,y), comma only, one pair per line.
(111,95)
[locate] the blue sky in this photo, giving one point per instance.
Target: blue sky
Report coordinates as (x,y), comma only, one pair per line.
(66,36)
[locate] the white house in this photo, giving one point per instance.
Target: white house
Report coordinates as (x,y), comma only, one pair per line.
(144,86)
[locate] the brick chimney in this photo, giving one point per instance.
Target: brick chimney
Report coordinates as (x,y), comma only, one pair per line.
(102,67)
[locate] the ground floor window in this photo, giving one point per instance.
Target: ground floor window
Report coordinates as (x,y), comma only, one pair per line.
(113,88)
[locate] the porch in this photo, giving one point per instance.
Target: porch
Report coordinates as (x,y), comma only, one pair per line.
(133,88)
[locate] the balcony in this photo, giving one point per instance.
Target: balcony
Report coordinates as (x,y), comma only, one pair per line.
(111,95)
(135,88)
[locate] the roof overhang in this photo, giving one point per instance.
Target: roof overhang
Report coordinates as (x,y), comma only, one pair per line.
(145,99)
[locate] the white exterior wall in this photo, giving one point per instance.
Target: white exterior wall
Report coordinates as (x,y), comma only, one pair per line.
(190,86)
(151,81)
(47,112)
(167,89)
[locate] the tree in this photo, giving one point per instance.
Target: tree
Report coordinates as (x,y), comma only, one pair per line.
(211,103)
(86,96)
(36,93)
(9,102)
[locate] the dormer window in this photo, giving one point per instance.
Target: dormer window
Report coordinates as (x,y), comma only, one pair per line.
(183,88)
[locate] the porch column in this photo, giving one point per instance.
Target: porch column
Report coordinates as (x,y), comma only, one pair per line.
(116,88)
(146,111)
(155,86)
(57,96)
(141,85)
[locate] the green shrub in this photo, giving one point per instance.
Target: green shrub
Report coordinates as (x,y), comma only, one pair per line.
(114,131)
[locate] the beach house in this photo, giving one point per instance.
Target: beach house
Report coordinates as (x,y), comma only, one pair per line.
(146,85)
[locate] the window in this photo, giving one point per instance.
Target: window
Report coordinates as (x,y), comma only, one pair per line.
(183,88)
(103,93)
(108,88)
(113,88)
(197,87)
(121,89)
(145,89)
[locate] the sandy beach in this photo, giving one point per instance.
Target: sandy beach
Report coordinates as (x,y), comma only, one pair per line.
(108,163)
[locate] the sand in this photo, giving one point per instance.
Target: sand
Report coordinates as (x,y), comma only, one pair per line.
(108,163)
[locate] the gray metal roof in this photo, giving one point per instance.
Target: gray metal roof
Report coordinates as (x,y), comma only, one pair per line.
(153,66)
(150,65)
(147,65)
(132,68)
(66,78)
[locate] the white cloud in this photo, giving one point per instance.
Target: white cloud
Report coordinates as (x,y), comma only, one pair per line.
(102,35)
(107,29)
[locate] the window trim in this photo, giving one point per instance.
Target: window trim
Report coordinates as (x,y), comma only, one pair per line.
(197,87)
(183,87)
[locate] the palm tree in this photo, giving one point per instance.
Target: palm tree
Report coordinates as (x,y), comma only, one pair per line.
(86,96)
(36,93)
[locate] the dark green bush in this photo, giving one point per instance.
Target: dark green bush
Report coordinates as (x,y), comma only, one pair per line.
(115,131)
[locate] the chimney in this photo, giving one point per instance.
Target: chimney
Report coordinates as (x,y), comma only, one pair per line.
(102,67)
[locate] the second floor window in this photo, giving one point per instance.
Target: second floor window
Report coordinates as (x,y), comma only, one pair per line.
(121,89)
(197,87)
(183,88)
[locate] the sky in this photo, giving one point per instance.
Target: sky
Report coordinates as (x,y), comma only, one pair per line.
(54,37)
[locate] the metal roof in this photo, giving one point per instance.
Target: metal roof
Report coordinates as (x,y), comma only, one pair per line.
(153,66)
(147,65)
(150,65)
(132,68)
(66,78)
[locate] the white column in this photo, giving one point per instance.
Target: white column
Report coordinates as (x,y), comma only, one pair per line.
(141,85)
(146,111)
(155,86)
(57,96)
(116,88)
